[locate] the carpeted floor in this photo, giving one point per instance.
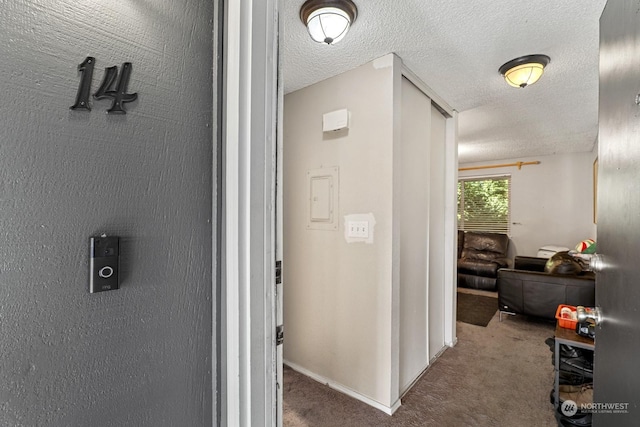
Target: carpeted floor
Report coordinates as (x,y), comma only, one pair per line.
(499,375)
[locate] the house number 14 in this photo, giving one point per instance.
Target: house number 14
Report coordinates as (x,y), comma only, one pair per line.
(117,94)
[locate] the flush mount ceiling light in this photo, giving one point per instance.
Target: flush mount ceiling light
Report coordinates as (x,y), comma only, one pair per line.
(524,71)
(328,20)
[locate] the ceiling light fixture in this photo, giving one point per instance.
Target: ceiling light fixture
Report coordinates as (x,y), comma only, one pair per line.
(328,20)
(524,71)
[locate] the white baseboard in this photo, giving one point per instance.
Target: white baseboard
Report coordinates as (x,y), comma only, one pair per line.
(389,410)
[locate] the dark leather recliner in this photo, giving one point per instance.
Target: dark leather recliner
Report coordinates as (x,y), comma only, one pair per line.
(482,255)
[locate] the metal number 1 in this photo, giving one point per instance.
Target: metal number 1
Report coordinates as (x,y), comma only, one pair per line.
(82,97)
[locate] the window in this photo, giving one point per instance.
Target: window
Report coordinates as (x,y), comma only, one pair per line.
(484,204)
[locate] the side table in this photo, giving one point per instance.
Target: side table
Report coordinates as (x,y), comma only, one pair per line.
(568,337)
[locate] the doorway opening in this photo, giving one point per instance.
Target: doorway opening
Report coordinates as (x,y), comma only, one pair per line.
(354,308)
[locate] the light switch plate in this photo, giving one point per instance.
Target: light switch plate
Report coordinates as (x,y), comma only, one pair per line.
(359,229)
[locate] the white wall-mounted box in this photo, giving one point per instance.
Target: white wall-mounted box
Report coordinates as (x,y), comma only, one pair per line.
(335,120)
(323,187)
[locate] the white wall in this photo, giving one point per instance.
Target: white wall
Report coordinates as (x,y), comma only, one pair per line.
(551,203)
(338,295)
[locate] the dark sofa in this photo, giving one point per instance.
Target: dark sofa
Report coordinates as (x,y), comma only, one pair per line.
(480,256)
(538,293)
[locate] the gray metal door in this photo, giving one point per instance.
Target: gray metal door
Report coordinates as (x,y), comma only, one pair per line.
(616,371)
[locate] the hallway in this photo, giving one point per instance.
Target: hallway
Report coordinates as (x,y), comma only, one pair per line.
(500,375)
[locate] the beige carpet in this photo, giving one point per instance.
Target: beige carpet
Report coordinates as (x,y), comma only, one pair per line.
(499,375)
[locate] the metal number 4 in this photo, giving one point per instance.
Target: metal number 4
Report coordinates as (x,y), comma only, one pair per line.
(119,95)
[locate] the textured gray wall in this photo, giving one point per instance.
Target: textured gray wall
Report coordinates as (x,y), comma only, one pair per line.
(140,355)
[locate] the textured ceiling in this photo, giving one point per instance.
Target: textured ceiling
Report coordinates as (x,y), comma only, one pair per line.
(456,48)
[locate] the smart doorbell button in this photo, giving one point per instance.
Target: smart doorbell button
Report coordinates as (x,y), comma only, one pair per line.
(105,272)
(104,262)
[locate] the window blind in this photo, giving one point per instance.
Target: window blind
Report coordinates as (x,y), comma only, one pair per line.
(484,204)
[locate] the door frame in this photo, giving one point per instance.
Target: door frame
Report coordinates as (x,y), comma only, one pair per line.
(248,368)
(247,387)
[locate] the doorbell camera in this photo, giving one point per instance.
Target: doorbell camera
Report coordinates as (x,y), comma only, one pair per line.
(104,262)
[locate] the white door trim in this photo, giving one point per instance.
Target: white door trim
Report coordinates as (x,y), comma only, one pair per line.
(248,276)
(451,230)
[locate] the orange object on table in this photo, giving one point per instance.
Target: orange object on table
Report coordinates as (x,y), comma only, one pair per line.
(565,321)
